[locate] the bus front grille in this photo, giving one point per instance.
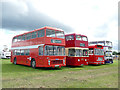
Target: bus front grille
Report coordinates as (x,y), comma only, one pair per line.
(57,62)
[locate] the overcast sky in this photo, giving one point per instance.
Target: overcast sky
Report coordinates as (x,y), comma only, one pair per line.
(98,19)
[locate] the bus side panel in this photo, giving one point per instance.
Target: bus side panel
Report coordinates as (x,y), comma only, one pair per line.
(70,43)
(12,58)
(77,43)
(91,59)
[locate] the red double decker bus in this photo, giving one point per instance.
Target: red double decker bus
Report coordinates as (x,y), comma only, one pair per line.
(42,47)
(76,50)
(96,54)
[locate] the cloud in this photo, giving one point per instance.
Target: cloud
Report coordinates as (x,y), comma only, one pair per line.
(99,31)
(19,15)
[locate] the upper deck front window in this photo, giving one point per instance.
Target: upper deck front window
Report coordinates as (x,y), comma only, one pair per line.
(15,39)
(108,43)
(50,33)
(78,37)
(70,37)
(41,33)
(60,34)
(84,38)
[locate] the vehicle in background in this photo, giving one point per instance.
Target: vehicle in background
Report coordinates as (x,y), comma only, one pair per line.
(96,54)
(76,49)
(42,47)
(107,47)
(5,55)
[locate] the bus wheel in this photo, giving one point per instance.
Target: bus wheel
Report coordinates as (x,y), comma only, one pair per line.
(33,64)
(15,61)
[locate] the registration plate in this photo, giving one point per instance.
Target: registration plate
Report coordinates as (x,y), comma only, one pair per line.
(82,64)
(56,65)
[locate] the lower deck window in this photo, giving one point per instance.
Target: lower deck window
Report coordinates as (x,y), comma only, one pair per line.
(27,52)
(54,50)
(41,50)
(77,52)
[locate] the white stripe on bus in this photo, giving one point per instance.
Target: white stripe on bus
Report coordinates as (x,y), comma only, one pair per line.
(27,47)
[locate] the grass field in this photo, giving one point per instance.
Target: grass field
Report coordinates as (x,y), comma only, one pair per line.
(19,76)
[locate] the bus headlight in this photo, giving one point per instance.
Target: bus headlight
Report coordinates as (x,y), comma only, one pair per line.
(78,60)
(85,59)
(63,61)
(48,62)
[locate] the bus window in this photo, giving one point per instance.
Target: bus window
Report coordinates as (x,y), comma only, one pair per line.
(98,52)
(85,52)
(54,50)
(60,34)
(34,34)
(70,37)
(22,52)
(15,39)
(60,51)
(27,52)
(23,37)
(41,50)
(28,36)
(19,38)
(71,52)
(14,52)
(90,50)
(17,52)
(78,37)
(79,52)
(41,33)
(84,38)
(50,33)
(48,50)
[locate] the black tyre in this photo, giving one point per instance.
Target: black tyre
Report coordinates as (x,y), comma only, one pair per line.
(33,64)
(15,61)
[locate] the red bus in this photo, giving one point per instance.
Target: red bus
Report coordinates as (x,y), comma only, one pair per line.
(76,49)
(96,54)
(44,47)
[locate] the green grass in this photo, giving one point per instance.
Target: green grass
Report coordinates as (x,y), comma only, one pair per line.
(19,76)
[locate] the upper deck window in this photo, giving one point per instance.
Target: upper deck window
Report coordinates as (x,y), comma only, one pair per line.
(34,34)
(108,43)
(28,36)
(70,37)
(78,37)
(60,34)
(50,33)
(84,38)
(23,37)
(19,38)
(41,33)
(15,39)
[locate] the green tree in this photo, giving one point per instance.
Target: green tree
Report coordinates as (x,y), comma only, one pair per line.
(114,53)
